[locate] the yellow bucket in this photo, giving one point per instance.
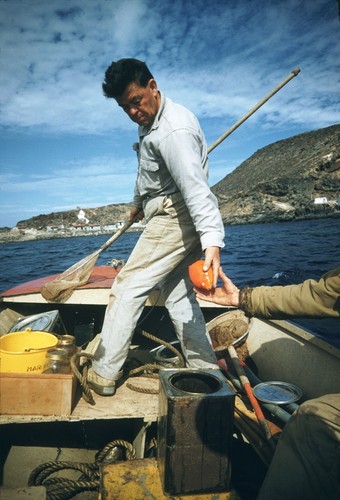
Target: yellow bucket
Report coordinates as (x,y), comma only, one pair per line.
(25,352)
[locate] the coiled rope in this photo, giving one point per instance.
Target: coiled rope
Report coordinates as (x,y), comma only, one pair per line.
(149,370)
(59,488)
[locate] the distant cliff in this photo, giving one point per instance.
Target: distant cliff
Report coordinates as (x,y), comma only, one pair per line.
(296,178)
(101,216)
(292,179)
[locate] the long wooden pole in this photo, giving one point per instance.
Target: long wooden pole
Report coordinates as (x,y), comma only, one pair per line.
(291,75)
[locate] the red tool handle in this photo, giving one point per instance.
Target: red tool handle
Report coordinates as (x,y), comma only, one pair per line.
(249,391)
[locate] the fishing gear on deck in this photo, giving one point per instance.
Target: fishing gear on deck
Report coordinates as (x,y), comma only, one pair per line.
(146,370)
(60,488)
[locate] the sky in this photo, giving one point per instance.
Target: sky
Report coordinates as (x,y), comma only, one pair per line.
(63,145)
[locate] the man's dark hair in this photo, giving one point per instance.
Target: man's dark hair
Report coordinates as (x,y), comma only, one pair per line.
(123,72)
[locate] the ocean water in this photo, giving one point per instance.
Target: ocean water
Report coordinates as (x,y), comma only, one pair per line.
(257,254)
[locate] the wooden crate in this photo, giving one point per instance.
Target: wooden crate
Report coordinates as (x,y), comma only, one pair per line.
(37,394)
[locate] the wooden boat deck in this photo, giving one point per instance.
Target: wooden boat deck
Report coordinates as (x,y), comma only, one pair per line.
(279,349)
(304,359)
(125,404)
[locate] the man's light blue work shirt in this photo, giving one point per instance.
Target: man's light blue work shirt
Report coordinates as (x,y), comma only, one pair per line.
(173,158)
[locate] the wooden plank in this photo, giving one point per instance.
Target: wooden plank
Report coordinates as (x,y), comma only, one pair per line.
(126,403)
(7,319)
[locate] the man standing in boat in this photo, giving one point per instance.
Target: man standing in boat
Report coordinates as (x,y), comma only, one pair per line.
(183,220)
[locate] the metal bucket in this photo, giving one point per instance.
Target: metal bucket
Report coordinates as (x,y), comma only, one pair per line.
(164,356)
(25,352)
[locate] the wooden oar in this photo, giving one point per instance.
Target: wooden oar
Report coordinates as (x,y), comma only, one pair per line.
(62,287)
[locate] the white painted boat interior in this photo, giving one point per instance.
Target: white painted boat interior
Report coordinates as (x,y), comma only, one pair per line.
(284,352)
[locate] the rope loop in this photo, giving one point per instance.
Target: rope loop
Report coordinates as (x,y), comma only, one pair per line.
(82,374)
(59,488)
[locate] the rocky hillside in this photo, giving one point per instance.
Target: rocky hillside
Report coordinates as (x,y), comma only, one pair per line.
(282,181)
(278,182)
(102,216)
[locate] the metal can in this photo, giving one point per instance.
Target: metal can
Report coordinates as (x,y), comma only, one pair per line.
(67,343)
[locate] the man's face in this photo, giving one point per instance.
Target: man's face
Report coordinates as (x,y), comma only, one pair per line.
(141,104)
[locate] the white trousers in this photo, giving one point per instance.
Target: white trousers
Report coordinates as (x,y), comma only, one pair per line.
(161,257)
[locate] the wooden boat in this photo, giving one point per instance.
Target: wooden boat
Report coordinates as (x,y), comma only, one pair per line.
(279,351)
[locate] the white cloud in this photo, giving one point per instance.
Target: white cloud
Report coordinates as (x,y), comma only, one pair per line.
(217,58)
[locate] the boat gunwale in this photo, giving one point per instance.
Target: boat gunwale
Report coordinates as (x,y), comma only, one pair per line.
(302,333)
